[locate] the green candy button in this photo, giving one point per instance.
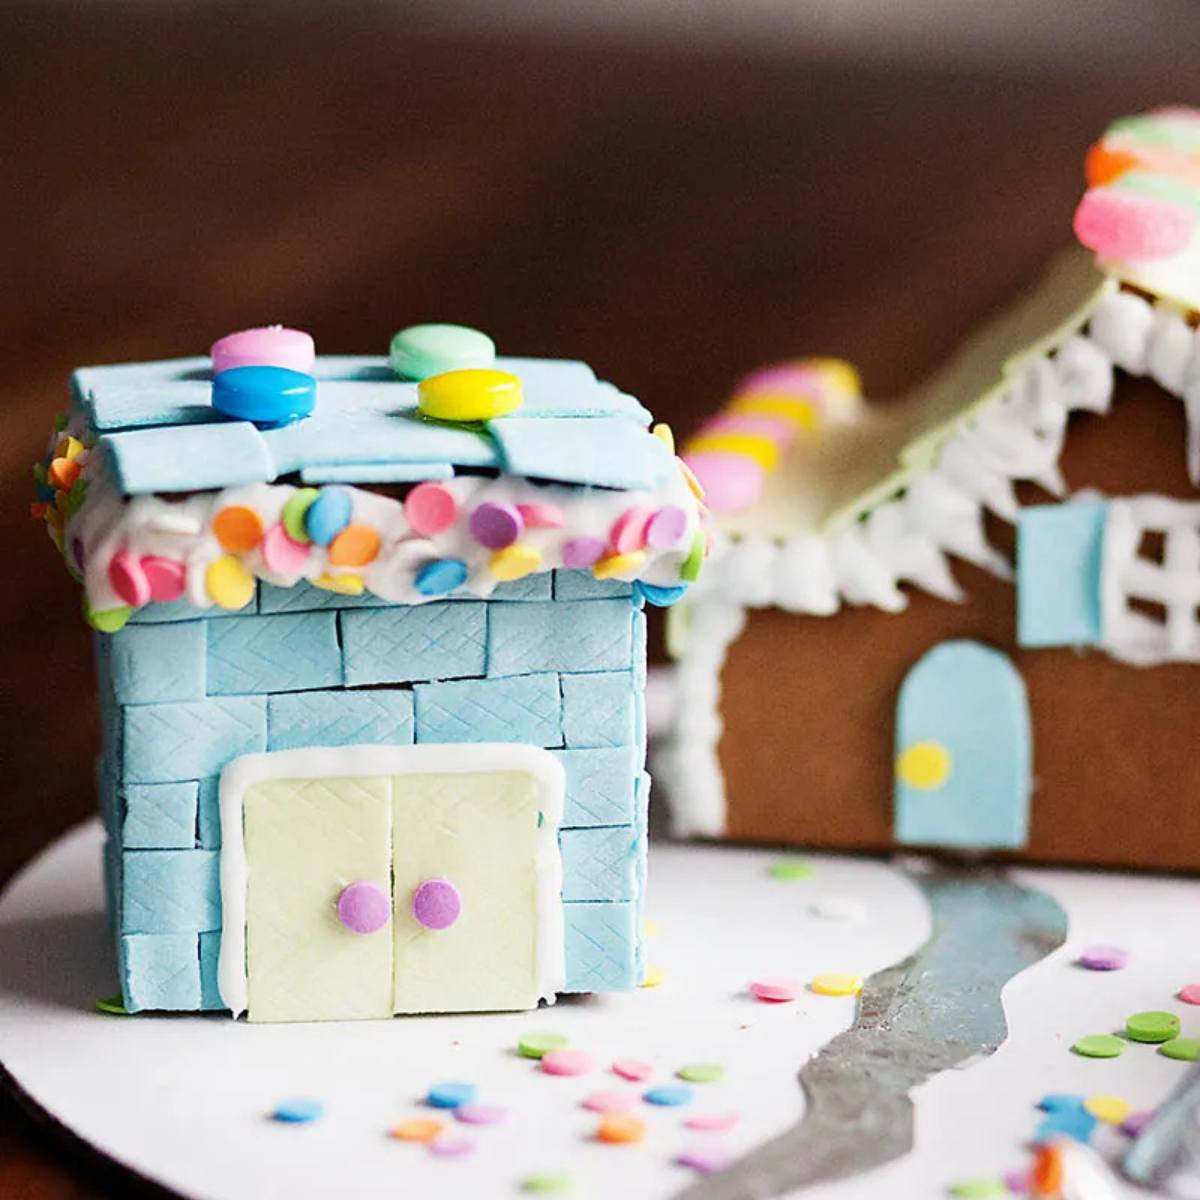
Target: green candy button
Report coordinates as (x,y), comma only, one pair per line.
(294,512)
(1152,1027)
(534,1045)
(702,1073)
(546,1184)
(107,620)
(1099,1045)
(1181,1048)
(424,350)
(690,571)
(113,1005)
(790,868)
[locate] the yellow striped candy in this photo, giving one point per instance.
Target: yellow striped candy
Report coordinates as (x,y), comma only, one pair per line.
(749,445)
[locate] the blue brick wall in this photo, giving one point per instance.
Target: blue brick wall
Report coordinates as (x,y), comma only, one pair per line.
(553,661)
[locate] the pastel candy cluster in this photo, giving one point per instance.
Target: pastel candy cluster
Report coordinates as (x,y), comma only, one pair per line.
(60,489)
(1143,198)
(264,375)
(733,452)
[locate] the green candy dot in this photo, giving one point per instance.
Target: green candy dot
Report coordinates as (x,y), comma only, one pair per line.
(980,1188)
(534,1045)
(1152,1027)
(546,1184)
(294,512)
(107,620)
(702,1073)
(690,571)
(1181,1048)
(789,868)
(1099,1045)
(423,350)
(114,1006)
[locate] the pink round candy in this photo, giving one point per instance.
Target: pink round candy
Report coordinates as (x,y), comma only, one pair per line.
(784,379)
(541,516)
(603,1102)
(430,508)
(496,525)
(267,346)
(1104,958)
(1120,224)
(480,1114)
(1190,993)
(127,578)
(704,1159)
(775,989)
(666,528)
(165,576)
(566,1062)
(436,904)
(582,552)
(363,907)
(449,1146)
(712,1122)
(281,554)
(730,481)
(628,531)
(632,1069)
(775,429)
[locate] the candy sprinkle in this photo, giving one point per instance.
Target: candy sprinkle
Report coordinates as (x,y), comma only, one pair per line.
(775,990)
(1190,993)
(668,1097)
(702,1072)
(546,1185)
(114,1006)
(1183,1049)
(979,1189)
(451,1095)
(566,1062)
(1152,1027)
(1104,958)
(837,985)
(654,977)
(1112,1110)
(481,1114)
(1099,1045)
(606,1102)
(534,1045)
(416,1129)
(617,1129)
(449,1146)
(704,1159)
(298,1112)
(631,1069)
(790,869)
(712,1122)
(1133,1124)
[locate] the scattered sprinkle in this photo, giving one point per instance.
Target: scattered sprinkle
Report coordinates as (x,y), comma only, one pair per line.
(1190,993)
(650,927)
(534,1045)
(702,1072)
(791,869)
(1112,1110)
(654,976)
(545,1185)
(668,1096)
(298,1112)
(1137,1121)
(1047,1176)
(114,1006)
(481,1114)
(775,990)
(1099,1045)
(712,1122)
(1018,1181)
(1184,1049)
(1152,1027)
(977,1188)
(1057,1101)
(566,1062)
(704,1159)
(416,1129)
(631,1069)
(605,1102)
(838,908)
(450,1146)
(837,985)
(450,1095)
(616,1128)
(1104,958)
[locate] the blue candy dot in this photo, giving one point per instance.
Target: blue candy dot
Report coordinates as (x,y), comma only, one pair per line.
(268,396)
(441,576)
(451,1095)
(298,1111)
(328,515)
(1061,1101)
(660,597)
(668,1097)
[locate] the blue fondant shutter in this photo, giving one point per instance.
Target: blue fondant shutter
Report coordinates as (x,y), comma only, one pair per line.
(1059,550)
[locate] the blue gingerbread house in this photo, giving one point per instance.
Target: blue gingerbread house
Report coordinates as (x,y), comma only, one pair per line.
(371,683)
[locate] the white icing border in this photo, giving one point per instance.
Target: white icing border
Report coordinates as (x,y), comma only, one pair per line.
(325,762)
(911,538)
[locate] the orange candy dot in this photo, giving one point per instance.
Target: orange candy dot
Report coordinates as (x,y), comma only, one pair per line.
(416,1129)
(617,1128)
(238,528)
(355,546)
(1046,1178)
(63,472)
(1104,164)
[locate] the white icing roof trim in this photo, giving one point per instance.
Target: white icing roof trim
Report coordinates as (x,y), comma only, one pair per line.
(326,762)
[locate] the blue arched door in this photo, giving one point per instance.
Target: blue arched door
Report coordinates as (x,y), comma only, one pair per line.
(963,751)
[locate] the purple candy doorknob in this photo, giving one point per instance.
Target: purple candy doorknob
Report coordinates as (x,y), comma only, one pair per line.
(363,907)
(436,904)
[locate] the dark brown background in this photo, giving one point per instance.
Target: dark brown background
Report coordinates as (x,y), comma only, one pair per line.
(675,203)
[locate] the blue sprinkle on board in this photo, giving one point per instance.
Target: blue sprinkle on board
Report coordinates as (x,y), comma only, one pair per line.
(668,1097)
(451,1095)
(298,1112)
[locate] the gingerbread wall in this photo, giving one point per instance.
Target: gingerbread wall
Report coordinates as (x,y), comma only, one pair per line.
(809,702)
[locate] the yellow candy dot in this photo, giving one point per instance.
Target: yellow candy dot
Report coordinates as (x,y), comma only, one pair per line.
(1112,1110)
(344,585)
(650,927)
(837,985)
(663,432)
(474,394)
(750,445)
(800,413)
(514,562)
(654,976)
(228,583)
(613,565)
(924,765)
(68,447)
(838,373)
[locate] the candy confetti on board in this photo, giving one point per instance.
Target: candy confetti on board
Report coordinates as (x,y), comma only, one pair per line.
(1190,993)
(566,1062)
(606,1102)
(298,1111)
(712,1122)
(775,989)
(546,1185)
(449,1146)
(1112,1110)
(704,1159)
(980,1189)
(1104,958)
(632,1069)
(790,869)
(836,985)
(668,1096)
(1183,1049)
(1152,1026)
(618,1129)
(416,1129)
(536,1044)
(1099,1045)
(701,1072)
(654,977)
(481,1114)
(451,1095)
(114,1006)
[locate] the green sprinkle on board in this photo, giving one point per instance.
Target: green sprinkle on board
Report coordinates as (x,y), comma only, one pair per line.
(702,1072)
(113,1005)
(546,1184)
(978,1188)
(1152,1027)
(790,869)
(1099,1045)
(534,1045)
(1181,1048)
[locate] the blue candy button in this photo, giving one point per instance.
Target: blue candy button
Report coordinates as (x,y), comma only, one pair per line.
(328,515)
(297,1112)
(661,597)
(265,395)
(441,576)
(451,1095)
(668,1097)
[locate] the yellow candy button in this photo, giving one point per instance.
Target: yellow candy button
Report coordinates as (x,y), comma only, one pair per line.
(68,447)
(228,583)
(654,977)
(619,564)
(344,585)
(514,562)
(750,445)
(474,394)
(924,765)
(1112,1110)
(837,985)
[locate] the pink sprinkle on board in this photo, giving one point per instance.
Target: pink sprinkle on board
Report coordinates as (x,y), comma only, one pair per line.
(631,1069)
(541,516)
(165,576)
(566,1062)
(480,1114)
(430,508)
(628,532)
(449,1146)
(1190,993)
(128,580)
(603,1102)
(712,1122)
(704,1159)
(1104,958)
(776,990)
(282,555)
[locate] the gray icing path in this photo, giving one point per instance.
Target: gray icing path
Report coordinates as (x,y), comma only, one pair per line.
(939,1008)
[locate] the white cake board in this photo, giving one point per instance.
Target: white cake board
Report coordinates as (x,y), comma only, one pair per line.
(184,1100)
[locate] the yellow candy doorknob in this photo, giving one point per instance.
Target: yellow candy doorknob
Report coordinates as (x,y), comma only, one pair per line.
(473,394)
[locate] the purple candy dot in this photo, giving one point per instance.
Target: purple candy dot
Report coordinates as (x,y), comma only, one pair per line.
(363,907)
(666,528)
(1136,1122)
(448,1146)
(480,1114)
(582,552)
(496,525)
(1018,1180)
(1104,958)
(705,1159)
(436,904)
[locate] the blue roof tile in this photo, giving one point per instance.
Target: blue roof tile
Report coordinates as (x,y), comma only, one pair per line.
(188,458)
